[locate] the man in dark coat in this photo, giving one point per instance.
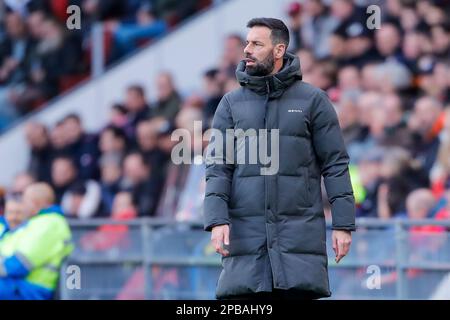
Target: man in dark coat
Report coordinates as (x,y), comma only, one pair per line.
(270,227)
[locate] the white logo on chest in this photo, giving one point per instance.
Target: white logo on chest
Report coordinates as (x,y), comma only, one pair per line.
(295,110)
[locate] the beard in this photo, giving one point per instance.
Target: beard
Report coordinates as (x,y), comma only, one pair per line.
(261,67)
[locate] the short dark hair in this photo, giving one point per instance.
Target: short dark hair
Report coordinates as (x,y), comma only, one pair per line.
(211,73)
(237,37)
(137,89)
(117,132)
(119,108)
(64,156)
(279,34)
(144,159)
(72,116)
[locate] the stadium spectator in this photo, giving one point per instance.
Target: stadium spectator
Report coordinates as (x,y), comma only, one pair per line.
(110,178)
(187,119)
(420,204)
(316,27)
(15,48)
(42,242)
(118,116)
(14,215)
(55,55)
(113,141)
(83,200)
(142,182)
(148,133)
(58,138)
(213,89)
(396,132)
(426,122)
(402,174)
(41,151)
(64,175)
(81,146)
(137,108)
(387,41)
(366,103)
(233,52)
(168,102)
(15,53)
(368,169)
(21,182)
(348,115)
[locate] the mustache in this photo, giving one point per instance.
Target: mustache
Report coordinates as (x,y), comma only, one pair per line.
(249,57)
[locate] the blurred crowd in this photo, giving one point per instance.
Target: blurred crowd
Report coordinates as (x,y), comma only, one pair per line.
(121,171)
(391,89)
(41,58)
(390,86)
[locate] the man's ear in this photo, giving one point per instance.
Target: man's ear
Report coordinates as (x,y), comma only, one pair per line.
(279,50)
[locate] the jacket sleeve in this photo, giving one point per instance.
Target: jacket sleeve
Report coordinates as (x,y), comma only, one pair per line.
(333,161)
(39,243)
(42,241)
(13,267)
(219,171)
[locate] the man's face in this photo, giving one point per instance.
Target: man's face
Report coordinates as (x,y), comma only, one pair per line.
(21,182)
(259,52)
(14,213)
(164,86)
(63,172)
(110,173)
(134,169)
(73,130)
(427,113)
(14,25)
(232,50)
(35,22)
(387,39)
(58,136)
(147,136)
(29,203)
(134,101)
(110,143)
(122,201)
(392,107)
(36,135)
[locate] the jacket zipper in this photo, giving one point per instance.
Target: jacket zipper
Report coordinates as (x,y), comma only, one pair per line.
(266,189)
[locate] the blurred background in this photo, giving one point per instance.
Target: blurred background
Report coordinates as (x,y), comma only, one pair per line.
(91,112)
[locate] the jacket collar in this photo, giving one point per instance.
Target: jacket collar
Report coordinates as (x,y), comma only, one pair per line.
(274,85)
(52,209)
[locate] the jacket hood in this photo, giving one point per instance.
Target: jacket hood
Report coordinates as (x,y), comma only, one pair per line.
(275,84)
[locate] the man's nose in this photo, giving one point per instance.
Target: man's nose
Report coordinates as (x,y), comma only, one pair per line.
(247,50)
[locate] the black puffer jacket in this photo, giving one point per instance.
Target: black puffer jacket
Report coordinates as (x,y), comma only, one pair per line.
(277,224)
